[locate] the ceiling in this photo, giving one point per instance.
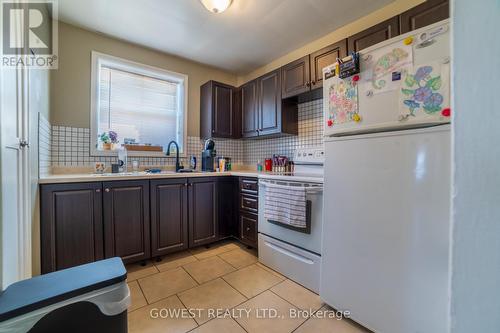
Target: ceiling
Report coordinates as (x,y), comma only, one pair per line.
(250,34)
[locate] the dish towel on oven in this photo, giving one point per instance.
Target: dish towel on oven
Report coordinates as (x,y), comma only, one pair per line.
(286,204)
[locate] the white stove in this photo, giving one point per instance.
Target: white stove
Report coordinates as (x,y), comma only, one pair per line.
(295,253)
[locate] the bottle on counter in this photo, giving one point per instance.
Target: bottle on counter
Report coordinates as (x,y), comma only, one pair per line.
(259,166)
(222,164)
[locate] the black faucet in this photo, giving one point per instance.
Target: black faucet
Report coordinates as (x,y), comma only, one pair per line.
(178,166)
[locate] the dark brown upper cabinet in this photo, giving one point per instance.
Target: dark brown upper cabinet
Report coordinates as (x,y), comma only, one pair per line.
(71,225)
(248,95)
(427,13)
(263,110)
(296,77)
(169,216)
(269,105)
(203,226)
(218,117)
(126,220)
(373,35)
(325,57)
(306,74)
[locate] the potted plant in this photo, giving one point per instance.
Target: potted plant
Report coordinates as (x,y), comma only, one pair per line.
(108,139)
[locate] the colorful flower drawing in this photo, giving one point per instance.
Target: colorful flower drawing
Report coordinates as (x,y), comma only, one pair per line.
(422,91)
(343,101)
(386,64)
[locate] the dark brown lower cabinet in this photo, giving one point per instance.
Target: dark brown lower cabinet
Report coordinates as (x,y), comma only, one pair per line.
(169,216)
(248,210)
(71,225)
(134,219)
(227,197)
(202,197)
(248,229)
(126,220)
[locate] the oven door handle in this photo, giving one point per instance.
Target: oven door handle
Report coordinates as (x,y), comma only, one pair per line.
(289,253)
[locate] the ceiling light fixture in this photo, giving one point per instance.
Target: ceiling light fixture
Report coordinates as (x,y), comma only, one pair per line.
(216,6)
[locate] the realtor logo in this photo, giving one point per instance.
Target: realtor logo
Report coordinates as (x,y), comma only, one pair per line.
(29,34)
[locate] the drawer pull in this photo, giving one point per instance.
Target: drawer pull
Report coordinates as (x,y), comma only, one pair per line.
(289,253)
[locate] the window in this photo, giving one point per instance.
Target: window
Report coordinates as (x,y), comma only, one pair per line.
(141,104)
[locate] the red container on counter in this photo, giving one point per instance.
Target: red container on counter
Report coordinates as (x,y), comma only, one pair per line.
(268,164)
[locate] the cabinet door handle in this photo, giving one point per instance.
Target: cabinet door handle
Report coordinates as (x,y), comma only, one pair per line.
(248,228)
(313,83)
(185,184)
(106,190)
(98,190)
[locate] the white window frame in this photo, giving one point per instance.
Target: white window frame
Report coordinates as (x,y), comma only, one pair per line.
(99,59)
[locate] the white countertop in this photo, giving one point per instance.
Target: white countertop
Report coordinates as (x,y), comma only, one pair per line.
(91,177)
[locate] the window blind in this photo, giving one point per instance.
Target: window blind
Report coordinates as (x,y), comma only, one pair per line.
(139,107)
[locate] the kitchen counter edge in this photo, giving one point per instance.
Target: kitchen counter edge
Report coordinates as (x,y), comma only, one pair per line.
(85,178)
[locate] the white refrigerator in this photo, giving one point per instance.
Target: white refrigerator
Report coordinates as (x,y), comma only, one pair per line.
(387,185)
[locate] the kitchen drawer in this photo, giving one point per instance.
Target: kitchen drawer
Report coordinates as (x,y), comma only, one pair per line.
(295,263)
(248,227)
(249,203)
(249,185)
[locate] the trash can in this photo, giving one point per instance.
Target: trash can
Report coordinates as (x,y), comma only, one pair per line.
(87,298)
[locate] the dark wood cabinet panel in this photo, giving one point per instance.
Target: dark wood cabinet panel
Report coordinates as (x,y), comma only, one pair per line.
(217,113)
(169,216)
(227,197)
(237,107)
(427,13)
(262,109)
(269,106)
(374,35)
(223,110)
(203,227)
(126,220)
(71,225)
(295,77)
(248,227)
(325,57)
(249,109)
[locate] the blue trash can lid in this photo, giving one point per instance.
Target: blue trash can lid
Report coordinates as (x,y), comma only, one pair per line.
(44,290)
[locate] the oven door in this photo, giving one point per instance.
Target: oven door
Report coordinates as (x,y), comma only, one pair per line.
(308,241)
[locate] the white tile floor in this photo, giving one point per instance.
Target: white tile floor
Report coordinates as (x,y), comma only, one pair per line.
(228,277)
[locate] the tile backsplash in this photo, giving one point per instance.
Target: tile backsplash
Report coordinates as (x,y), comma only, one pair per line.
(62,146)
(44,145)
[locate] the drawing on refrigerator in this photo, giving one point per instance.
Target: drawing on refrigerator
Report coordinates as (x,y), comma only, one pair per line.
(379,72)
(343,100)
(424,90)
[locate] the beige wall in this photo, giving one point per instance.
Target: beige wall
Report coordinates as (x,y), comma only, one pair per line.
(70,84)
(350,29)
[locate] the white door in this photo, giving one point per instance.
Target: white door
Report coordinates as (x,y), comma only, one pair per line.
(386,229)
(15,194)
